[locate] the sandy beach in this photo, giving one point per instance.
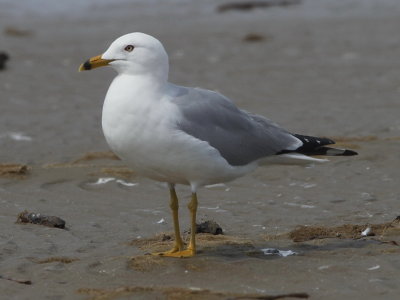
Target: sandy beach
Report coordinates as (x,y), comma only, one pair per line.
(320,232)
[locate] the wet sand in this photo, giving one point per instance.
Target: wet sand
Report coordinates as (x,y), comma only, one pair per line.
(316,68)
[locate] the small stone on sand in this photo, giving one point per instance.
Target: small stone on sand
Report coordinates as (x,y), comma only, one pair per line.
(37,218)
(209,227)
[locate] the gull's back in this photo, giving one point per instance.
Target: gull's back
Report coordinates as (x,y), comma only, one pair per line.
(240,137)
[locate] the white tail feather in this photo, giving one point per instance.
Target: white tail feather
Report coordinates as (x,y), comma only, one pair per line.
(291,159)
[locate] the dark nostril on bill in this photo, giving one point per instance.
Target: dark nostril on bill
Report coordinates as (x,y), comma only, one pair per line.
(87,65)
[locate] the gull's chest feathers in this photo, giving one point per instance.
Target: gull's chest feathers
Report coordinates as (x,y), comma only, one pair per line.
(137,123)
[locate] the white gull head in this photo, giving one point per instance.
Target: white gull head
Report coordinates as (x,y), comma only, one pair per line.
(138,54)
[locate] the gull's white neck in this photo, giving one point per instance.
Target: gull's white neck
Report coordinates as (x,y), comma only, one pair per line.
(130,88)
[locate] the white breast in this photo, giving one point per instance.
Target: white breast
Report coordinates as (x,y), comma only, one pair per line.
(139,126)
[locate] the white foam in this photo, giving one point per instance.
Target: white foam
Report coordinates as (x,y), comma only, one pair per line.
(103,180)
(123,182)
(162,221)
(274,251)
(299,205)
(17,136)
(366,232)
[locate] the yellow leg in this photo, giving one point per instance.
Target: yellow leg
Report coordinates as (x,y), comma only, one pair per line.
(191,250)
(193,211)
(174,205)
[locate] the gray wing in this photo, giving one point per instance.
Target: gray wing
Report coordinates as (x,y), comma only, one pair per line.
(239,136)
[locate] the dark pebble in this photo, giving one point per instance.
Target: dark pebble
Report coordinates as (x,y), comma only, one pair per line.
(209,227)
(3,58)
(249,5)
(37,218)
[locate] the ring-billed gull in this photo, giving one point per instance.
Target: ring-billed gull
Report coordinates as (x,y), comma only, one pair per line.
(181,135)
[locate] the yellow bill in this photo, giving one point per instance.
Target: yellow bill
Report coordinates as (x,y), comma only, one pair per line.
(93,63)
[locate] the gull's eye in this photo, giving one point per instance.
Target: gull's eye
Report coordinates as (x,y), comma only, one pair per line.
(129,48)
